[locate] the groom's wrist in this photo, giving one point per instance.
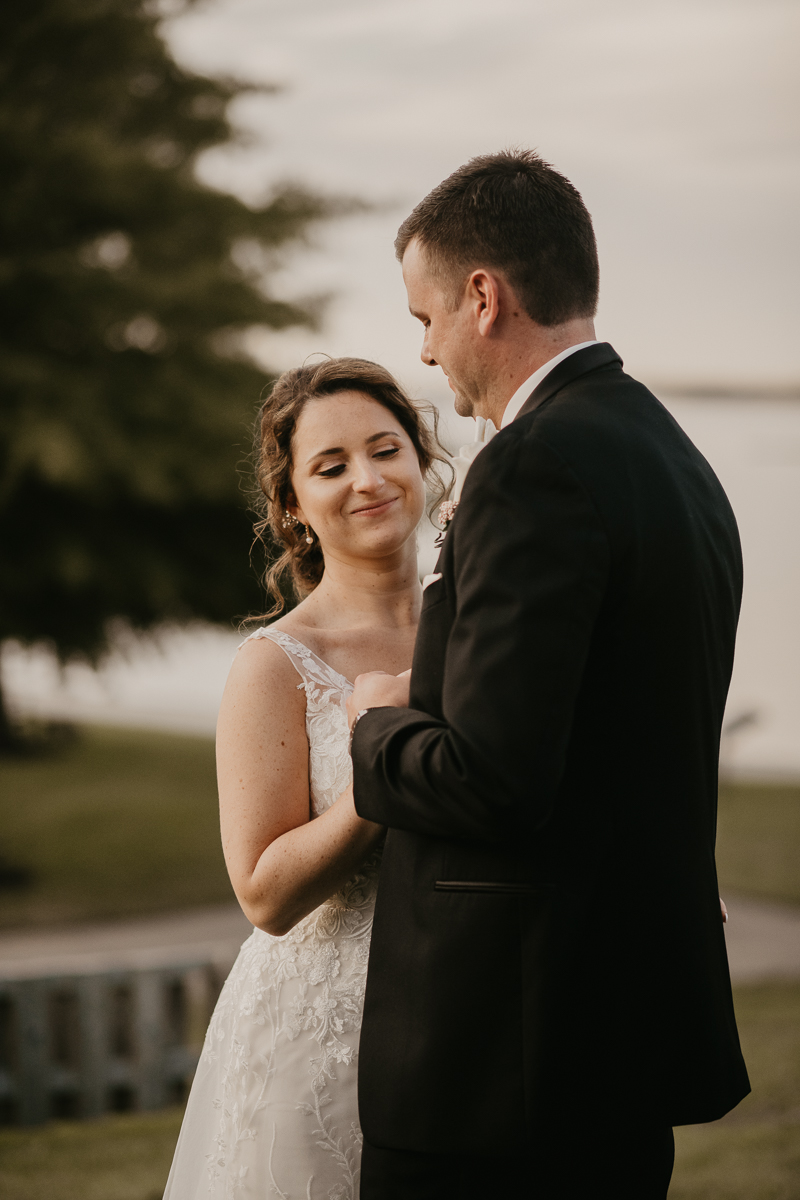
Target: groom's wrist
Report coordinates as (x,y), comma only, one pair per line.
(361,712)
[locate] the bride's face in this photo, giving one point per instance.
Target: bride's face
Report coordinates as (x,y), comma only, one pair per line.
(356,477)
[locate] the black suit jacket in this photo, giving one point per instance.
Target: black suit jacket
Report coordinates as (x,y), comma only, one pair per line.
(547,934)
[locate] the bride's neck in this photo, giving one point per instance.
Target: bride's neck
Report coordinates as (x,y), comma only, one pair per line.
(367,592)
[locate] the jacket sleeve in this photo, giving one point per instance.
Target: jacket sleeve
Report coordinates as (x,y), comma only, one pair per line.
(530,567)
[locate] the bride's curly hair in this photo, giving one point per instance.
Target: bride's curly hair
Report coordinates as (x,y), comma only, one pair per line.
(299,563)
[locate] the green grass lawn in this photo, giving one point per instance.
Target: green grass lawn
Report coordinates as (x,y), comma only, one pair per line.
(758,840)
(123,821)
(113,1158)
(753,1154)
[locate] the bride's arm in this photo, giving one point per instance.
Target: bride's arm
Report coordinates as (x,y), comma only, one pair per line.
(282,865)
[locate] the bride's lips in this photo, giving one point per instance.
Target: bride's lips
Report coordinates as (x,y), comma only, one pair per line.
(374,510)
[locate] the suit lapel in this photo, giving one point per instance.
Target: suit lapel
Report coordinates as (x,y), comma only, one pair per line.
(577,364)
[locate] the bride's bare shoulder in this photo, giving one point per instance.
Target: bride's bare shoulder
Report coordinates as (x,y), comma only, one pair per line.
(261,665)
(262,706)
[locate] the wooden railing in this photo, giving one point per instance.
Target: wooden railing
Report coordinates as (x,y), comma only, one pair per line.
(80,1045)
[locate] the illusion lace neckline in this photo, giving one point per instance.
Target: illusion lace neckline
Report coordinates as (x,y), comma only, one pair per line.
(270,632)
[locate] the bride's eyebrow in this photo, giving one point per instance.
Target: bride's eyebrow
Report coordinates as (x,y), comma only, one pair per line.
(377,436)
(324,453)
(340,449)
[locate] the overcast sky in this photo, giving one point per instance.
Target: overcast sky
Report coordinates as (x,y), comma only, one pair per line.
(676,119)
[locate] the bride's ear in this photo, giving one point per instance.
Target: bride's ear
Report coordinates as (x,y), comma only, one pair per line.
(294,508)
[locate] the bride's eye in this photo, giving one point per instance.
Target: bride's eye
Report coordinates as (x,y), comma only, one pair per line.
(388,452)
(332,472)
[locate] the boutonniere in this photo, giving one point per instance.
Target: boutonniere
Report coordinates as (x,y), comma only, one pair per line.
(447,510)
(461,465)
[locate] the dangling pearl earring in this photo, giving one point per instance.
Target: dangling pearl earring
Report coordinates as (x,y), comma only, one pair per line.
(309,538)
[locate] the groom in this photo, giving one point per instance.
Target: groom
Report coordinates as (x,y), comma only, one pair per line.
(548,988)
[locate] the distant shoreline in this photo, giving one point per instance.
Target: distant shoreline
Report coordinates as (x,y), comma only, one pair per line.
(725,391)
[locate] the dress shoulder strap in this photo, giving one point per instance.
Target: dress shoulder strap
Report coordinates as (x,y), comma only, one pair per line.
(314,672)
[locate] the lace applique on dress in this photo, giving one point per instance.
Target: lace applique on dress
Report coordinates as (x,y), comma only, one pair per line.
(273,1108)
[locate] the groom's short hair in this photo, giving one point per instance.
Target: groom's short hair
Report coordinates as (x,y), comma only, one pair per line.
(514,213)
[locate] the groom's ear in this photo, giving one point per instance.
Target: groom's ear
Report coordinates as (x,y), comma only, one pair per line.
(482,293)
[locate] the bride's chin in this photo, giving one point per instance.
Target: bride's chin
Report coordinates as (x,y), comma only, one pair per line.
(383,547)
(383,533)
(364,550)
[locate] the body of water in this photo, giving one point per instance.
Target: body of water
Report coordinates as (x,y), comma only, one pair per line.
(754,447)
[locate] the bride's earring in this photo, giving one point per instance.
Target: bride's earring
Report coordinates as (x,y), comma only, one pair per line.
(309,538)
(289,519)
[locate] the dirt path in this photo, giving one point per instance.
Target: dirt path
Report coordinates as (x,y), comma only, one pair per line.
(763,943)
(763,939)
(198,935)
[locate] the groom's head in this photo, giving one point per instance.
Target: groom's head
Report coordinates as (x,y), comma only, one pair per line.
(498,258)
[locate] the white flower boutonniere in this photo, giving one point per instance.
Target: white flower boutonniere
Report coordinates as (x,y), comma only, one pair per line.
(461,464)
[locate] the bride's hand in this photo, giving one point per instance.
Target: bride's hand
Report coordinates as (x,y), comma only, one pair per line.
(377,689)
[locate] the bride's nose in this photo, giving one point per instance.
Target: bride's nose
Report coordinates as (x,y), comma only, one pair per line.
(366,476)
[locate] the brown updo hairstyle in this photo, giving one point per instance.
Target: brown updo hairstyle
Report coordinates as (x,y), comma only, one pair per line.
(300,561)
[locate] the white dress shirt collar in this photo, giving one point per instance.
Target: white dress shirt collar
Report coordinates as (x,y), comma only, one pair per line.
(523,392)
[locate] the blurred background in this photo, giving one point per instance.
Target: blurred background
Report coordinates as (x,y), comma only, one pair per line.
(197,196)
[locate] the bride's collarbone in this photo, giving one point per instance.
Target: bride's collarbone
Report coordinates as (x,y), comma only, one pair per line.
(356,650)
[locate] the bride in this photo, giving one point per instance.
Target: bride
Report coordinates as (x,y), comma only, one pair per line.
(342,457)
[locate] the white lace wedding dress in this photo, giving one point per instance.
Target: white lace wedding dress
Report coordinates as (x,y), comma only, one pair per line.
(272,1111)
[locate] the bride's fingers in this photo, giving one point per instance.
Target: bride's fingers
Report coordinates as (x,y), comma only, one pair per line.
(404,674)
(723,910)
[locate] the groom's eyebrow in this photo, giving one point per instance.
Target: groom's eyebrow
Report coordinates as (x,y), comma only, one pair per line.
(340,449)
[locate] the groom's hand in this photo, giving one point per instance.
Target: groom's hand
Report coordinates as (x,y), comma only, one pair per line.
(377,689)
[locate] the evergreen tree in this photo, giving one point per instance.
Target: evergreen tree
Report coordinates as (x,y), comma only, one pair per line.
(124,405)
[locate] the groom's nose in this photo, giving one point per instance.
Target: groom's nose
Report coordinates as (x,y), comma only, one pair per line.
(425,353)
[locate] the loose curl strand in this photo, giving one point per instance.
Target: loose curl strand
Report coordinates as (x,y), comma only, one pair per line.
(299,563)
